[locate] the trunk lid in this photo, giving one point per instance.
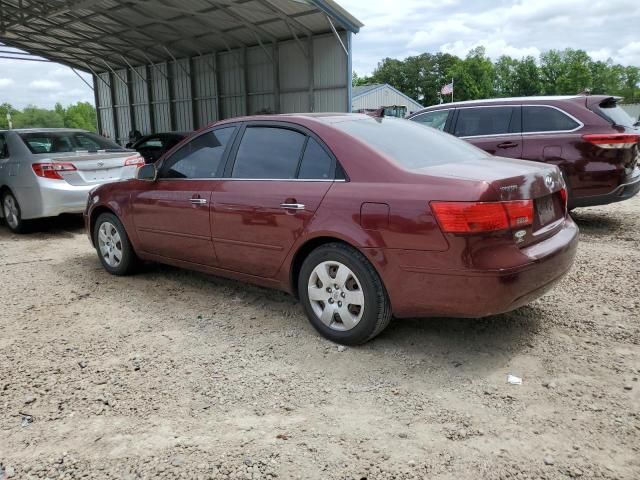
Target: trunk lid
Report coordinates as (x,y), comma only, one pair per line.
(512,180)
(96,168)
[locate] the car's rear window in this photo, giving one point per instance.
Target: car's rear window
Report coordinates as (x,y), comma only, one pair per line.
(615,114)
(411,144)
(62,142)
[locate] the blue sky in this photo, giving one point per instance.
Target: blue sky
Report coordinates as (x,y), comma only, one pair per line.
(606,29)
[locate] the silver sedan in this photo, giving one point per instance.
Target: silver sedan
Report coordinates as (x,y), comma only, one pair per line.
(46,172)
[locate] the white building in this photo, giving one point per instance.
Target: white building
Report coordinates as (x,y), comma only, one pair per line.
(381,95)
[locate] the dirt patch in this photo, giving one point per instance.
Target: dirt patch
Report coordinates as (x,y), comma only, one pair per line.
(180,375)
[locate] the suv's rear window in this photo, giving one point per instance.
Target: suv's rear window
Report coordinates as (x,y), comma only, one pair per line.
(615,114)
(412,145)
(62,142)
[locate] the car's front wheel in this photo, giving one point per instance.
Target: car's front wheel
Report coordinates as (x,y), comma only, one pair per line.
(12,213)
(113,246)
(343,295)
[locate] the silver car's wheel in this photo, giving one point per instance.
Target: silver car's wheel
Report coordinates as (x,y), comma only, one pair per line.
(110,244)
(336,296)
(11,212)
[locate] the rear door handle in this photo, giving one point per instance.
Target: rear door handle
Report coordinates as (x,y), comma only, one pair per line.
(198,201)
(507,145)
(292,206)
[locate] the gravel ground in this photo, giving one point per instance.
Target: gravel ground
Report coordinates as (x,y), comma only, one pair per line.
(174,374)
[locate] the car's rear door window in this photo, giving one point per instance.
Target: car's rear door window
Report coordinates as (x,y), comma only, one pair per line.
(316,163)
(477,121)
(199,158)
(269,153)
(546,119)
(436,119)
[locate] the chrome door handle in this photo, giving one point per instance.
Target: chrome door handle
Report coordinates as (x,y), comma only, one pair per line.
(292,206)
(198,201)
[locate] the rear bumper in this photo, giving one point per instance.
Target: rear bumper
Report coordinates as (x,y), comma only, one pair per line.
(421,291)
(51,198)
(629,188)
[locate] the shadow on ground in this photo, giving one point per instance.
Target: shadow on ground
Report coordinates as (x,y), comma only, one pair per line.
(591,221)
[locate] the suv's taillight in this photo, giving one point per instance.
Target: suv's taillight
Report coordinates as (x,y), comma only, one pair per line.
(52,170)
(478,217)
(612,140)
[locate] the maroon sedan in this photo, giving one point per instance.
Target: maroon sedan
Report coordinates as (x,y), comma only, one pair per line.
(362,218)
(590,138)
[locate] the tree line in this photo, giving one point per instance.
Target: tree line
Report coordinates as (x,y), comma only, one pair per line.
(555,72)
(81,115)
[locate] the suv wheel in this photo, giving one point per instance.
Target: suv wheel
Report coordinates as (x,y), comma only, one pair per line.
(342,295)
(113,246)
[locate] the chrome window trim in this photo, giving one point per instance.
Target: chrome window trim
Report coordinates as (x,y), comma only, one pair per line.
(580,124)
(430,111)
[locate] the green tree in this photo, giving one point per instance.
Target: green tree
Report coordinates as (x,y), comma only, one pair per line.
(527,78)
(473,77)
(505,76)
(81,115)
(34,117)
(4,109)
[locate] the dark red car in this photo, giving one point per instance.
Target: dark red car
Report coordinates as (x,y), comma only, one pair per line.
(590,138)
(360,217)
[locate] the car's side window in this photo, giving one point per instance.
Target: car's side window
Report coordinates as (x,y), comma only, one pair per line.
(316,163)
(200,158)
(4,149)
(546,119)
(268,153)
(483,121)
(154,142)
(437,119)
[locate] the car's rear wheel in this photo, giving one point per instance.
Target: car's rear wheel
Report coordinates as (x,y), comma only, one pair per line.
(12,213)
(343,295)
(113,246)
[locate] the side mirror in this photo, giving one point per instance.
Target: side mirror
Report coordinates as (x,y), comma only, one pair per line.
(147,173)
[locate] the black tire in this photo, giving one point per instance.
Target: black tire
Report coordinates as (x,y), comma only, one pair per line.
(377,308)
(17,225)
(129,261)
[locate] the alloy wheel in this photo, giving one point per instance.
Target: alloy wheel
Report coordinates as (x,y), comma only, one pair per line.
(110,244)
(11,213)
(336,296)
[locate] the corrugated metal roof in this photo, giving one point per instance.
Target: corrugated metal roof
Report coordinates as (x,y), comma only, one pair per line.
(364,89)
(100,35)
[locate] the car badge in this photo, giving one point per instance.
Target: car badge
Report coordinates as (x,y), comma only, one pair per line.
(548,181)
(519,235)
(101,164)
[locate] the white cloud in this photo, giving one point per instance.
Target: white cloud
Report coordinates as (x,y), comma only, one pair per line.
(45,85)
(400,28)
(605,28)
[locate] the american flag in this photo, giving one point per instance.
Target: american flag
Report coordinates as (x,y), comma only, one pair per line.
(447,89)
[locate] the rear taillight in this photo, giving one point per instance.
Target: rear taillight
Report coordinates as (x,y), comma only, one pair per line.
(135,160)
(612,140)
(52,170)
(477,217)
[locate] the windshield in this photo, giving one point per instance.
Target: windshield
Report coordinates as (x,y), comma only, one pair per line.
(71,141)
(412,145)
(616,114)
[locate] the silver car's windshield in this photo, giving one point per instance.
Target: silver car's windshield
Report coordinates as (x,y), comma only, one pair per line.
(61,142)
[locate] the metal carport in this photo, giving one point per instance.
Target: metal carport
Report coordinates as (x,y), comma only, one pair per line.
(166,65)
